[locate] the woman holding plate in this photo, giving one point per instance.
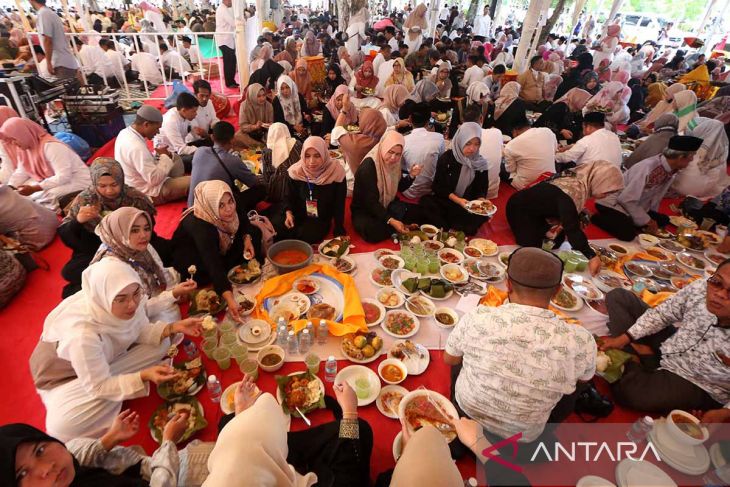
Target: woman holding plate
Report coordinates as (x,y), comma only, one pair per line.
(211,238)
(255,117)
(461,176)
(85,366)
(315,196)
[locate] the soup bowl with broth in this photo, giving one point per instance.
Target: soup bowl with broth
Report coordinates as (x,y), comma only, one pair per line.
(290,255)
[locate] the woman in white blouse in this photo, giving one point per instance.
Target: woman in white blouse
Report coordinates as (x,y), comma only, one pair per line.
(46,169)
(85,364)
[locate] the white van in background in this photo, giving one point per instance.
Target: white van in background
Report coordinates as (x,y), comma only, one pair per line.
(638,28)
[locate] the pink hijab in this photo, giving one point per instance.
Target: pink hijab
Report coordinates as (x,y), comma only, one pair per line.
(330,171)
(29,139)
(351,113)
(622,76)
(7,113)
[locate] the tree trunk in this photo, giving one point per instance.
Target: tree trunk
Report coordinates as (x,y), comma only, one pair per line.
(473,10)
(552,21)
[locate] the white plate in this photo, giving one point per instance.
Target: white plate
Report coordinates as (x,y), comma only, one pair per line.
(455,253)
(313,282)
(578,302)
(488,247)
(582,286)
(401,298)
(470,249)
(445,404)
(464,273)
(685,259)
(398,446)
(429,230)
(352,372)
(375,356)
(400,275)
(433,245)
(416,365)
(506,256)
(451,312)
(248,338)
(349,260)
(258,346)
(498,271)
(381,252)
(401,311)
(379,269)
(634,473)
(671,246)
(594,481)
(710,253)
(293,298)
(645,273)
(280,399)
(379,400)
(470,204)
(330,292)
(446,296)
(321,246)
(400,261)
(692,460)
(224,398)
(380,307)
(626,284)
(425,301)
(201,412)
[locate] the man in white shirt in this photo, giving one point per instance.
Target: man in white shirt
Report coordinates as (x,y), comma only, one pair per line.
(224,22)
(382,56)
(206,116)
(444,14)
(161,179)
(95,62)
(597,144)
(192,51)
(147,67)
(177,128)
(175,65)
(515,367)
(423,147)
(474,71)
(390,37)
(529,154)
(60,61)
(483,24)
(117,60)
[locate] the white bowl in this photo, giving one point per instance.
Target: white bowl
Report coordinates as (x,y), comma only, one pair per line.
(680,435)
(430,230)
(389,290)
(452,267)
(646,240)
(397,363)
(275,349)
(459,256)
(240,298)
(450,312)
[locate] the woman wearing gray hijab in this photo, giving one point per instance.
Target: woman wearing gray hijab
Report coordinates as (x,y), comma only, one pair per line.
(665,128)
(460,177)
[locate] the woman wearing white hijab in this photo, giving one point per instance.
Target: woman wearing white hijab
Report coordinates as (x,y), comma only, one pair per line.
(290,108)
(706,176)
(84,365)
(282,150)
(254,449)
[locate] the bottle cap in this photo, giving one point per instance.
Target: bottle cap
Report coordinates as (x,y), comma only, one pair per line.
(291,333)
(212,378)
(305,331)
(331,357)
(649,419)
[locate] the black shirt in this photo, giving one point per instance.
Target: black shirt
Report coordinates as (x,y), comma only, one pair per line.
(446,178)
(365,195)
(330,202)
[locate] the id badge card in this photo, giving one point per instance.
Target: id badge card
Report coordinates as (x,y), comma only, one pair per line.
(312,208)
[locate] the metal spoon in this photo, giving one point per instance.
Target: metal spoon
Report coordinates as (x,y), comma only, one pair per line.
(306,420)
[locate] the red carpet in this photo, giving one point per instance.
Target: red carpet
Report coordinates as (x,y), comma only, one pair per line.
(23,322)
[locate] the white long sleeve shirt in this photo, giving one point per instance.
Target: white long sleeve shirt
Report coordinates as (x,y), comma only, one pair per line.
(173,60)
(224,22)
(601,145)
(118,62)
(472,74)
(67,167)
(141,170)
(205,119)
(94,60)
(424,148)
(530,154)
(175,129)
(148,68)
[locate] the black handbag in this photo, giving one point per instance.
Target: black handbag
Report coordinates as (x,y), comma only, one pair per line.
(591,406)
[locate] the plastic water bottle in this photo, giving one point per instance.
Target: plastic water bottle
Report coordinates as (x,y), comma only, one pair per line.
(471,482)
(190,349)
(305,341)
(322,332)
(330,369)
(640,429)
(214,388)
(292,345)
(312,333)
(281,333)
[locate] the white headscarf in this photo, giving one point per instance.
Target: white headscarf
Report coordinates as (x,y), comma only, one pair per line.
(251,450)
(469,165)
(475,92)
(291,106)
(89,310)
(714,149)
(280,141)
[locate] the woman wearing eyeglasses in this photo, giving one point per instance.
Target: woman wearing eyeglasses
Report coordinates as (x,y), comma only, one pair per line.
(683,345)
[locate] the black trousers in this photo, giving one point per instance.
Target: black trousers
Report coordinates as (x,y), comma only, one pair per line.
(373,230)
(229,65)
(620,225)
(643,386)
(310,230)
(445,213)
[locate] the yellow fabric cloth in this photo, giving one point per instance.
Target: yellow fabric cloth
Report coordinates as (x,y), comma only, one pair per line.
(353,316)
(496,297)
(697,75)
(657,92)
(653,299)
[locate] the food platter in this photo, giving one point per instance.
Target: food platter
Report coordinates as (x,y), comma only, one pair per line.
(423,407)
(228,405)
(414,355)
(391,262)
(206,301)
(454,273)
(691,262)
(381,252)
(484,270)
(369,307)
(566,300)
(450,256)
(334,248)
(680,221)
(481,208)
(354,373)
(715,258)
(293,300)
(487,247)
(306,286)
(345,264)
(661,254)
(190,381)
(354,347)
(400,323)
(165,411)
(330,292)
(381,277)
(389,399)
(637,269)
(401,275)
(433,245)
(671,246)
(667,271)
(245,273)
(607,281)
(390,298)
(472,252)
(598,305)
(246,303)
(308,389)
(582,286)
(420,306)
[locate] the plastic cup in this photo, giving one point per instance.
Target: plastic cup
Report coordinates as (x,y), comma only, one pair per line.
(422,266)
(571,265)
(362,387)
(312,361)
(433,264)
(229,340)
(707,223)
(227,326)
(212,333)
(239,349)
(721,231)
(223,357)
(209,345)
(548,244)
(250,368)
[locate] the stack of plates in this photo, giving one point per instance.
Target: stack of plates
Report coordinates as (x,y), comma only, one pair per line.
(631,473)
(689,459)
(256,342)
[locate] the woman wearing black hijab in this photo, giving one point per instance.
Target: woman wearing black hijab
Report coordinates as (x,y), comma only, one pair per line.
(574,78)
(29,457)
(267,74)
(333,79)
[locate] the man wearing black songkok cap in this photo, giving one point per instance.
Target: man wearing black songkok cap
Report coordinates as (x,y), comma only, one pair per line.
(598,143)
(516,366)
(635,209)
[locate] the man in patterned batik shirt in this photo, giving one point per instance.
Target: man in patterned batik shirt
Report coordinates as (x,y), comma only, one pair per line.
(684,344)
(518,364)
